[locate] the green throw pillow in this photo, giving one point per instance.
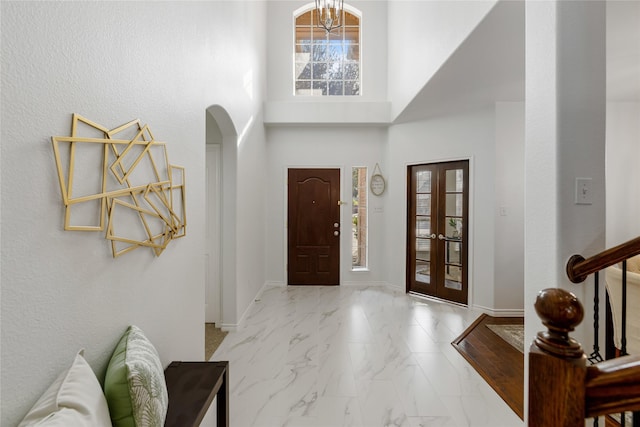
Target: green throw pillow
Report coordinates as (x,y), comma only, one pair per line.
(134,385)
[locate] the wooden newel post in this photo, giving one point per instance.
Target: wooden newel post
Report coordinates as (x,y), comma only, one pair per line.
(557,363)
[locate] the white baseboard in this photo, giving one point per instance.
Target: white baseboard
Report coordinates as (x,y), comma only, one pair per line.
(229,327)
(396,288)
(273,283)
(365,283)
(501,312)
(232,327)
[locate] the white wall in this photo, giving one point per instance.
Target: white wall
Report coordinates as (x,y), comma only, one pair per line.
(493,141)
(623,121)
(162,62)
(251,211)
(422,36)
(509,208)
(462,136)
(622,173)
(336,147)
(564,139)
(370,107)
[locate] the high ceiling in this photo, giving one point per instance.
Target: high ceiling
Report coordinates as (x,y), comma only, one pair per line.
(489,65)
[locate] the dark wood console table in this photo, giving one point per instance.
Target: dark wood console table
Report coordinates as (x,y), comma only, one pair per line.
(192,387)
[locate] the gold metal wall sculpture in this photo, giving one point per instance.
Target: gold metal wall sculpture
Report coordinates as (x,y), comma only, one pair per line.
(122,175)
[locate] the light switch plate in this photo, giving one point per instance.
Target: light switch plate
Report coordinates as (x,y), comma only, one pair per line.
(584,191)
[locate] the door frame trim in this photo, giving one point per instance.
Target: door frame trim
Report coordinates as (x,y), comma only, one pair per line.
(217,224)
(470,220)
(285,209)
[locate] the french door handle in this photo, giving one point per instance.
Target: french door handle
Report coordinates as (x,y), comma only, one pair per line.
(433,236)
(440,236)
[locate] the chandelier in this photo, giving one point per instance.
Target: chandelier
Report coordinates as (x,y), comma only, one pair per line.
(330,13)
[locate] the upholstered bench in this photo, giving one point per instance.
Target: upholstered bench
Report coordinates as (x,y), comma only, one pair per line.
(192,386)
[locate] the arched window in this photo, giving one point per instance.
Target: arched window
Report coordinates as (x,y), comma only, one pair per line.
(327,63)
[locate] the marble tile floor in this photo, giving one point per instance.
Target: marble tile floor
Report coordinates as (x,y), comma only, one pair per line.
(355,356)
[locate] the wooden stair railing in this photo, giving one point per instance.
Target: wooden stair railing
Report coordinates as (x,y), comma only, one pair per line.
(613,386)
(563,391)
(578,268)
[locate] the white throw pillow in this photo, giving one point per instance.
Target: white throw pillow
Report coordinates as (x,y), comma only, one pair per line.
(74,399)
(633,264)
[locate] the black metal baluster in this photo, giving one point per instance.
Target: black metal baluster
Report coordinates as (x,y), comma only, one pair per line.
(623,339)
(595,356)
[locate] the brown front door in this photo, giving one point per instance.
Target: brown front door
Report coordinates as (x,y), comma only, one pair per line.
(313,227)
(438,207)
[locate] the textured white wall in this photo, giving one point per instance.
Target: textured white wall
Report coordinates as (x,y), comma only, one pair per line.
(162,62)
(623,176)
(564,139)
(623,120)
(250,214)
(462,136)
(335,147)
(422,36)
(496,179)
(509,208)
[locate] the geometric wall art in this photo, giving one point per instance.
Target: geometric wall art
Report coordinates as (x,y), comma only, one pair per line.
(119,181)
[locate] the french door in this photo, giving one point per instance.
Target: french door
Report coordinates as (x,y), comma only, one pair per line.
(437,235)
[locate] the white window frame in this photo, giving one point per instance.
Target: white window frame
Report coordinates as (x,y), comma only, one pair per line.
(317,93)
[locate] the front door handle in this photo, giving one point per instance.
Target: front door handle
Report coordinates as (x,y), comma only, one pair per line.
(440,236)
(336,233)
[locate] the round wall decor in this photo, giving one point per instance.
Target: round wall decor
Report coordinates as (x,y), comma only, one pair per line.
(377,184)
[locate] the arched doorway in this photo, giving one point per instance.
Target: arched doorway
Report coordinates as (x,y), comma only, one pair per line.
(220,255)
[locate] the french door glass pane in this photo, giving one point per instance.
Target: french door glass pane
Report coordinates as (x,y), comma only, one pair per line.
(423,226)
(453,277)
(453,253)
(423,181)
(455,180)
(454,204)
(423,202)
(423,271)
(454,228)
(423,248)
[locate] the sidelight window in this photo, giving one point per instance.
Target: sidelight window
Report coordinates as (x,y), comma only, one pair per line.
(359,218)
